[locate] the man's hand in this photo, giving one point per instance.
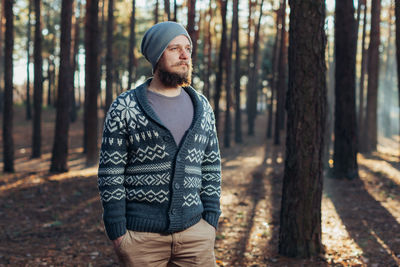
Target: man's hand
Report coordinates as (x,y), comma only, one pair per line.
(117,242)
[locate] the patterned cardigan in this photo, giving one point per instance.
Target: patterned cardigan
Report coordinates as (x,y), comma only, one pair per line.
(149,183)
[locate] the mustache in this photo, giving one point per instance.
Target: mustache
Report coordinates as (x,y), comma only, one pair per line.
(181,63)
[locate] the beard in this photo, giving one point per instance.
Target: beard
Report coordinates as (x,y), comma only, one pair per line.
(174,79)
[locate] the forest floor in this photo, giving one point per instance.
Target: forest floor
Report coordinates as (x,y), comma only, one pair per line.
(55,219)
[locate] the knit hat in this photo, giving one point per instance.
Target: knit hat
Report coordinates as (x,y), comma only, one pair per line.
(157,38)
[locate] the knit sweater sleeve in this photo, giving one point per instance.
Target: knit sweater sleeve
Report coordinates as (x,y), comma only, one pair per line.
(211,175)
(112,163)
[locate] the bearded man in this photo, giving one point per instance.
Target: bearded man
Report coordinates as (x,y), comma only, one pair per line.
(160,167)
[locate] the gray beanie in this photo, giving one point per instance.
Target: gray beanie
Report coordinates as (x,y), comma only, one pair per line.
(157,38)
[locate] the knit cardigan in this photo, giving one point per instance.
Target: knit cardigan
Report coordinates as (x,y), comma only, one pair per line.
(149,183)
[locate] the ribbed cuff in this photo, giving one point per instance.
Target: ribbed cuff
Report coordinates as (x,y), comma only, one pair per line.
(211,218)
(115,230)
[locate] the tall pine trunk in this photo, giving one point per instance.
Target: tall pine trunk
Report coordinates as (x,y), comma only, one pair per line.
(76,42)
(345,145)
(397,12)
(156,12)
(1,58)
(228,84)
(281,83)
(59,160)
(300,218)
(191,28)
(221,60)
(109,56)
(167,10)
(235,34)
(132,44)
(207,52)
(252,85)
(28,111)
(92,82)
(8,112)
(38,85)
(371,139)
(275,56)
(361,97)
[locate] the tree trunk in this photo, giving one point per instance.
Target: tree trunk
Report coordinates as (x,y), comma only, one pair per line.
(38,85)
(397,12)
(361,135)
(167,10)
(175,10)
(275,56)
(132,45)
(76,42)
(371,138)
(345,145)
(1,58)
(281,83)
(221,60)
(8,112)
(92,82)
(59,160)
(300,218)
(109,56)
(228,84)
(236,42)
(207,52)
(192,30)
(28,61)
(252,85)
(156,12)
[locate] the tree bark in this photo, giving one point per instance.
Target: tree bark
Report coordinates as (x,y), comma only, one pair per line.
(28,61)
(8,112)
(281,83)
(345,145)
(167,10)
(221,60)
(132,45)
(175,10)
(252,85)
(236,42)
(109,56)
(207,52)
(371,138)
(38,85)
(361,135)
(275,56)
(228,84)
(397,12)
(76,42)
(92,82)
(1,58)
(191,28)
(156,12)
(59,160)
(300,218)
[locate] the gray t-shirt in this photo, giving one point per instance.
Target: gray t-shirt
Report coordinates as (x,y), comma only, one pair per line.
(175,112)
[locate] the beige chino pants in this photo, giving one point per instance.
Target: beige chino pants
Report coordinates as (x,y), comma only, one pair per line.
(191,247)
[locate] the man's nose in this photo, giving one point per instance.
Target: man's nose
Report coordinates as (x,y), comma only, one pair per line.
(184,54)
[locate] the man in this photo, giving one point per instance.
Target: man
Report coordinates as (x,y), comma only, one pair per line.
(160,168)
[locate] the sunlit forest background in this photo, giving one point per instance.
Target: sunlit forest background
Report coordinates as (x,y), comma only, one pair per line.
(307,104)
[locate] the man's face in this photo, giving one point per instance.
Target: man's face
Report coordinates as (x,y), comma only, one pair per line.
(175,65)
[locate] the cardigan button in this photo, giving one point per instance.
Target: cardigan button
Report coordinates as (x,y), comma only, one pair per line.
(178,158)
(173,211)
(177,186)
(166,138)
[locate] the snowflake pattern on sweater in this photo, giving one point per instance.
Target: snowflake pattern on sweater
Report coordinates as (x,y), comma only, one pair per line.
(149,183)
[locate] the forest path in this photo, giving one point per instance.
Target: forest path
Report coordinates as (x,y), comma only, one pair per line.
(51,219)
